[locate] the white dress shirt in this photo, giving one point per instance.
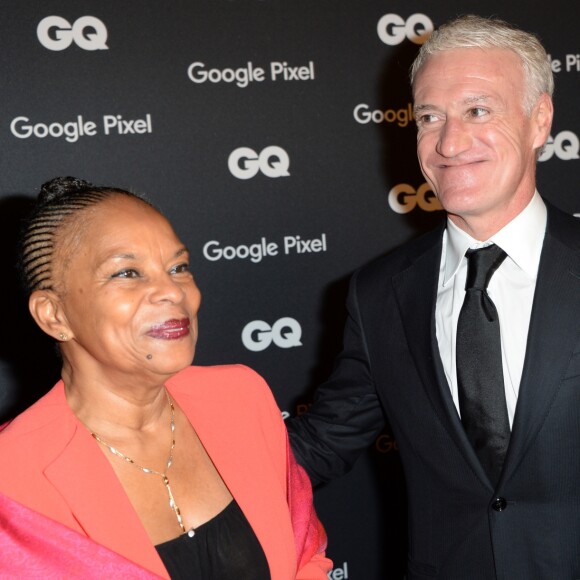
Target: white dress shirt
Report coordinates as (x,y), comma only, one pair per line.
(511,288)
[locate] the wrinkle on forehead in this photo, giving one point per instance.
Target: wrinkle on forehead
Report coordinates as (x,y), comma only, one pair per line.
(468,76)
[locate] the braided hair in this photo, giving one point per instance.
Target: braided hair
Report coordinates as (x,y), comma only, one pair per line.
(59,202)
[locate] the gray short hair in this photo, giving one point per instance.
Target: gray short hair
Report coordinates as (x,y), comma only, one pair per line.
(472,31)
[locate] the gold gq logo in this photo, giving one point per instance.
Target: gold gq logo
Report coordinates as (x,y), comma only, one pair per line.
(403,198)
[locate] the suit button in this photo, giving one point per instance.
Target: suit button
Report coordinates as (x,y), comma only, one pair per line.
(499,504)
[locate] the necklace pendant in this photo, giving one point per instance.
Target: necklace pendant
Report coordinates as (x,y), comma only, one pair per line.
(191,533)
(148,470)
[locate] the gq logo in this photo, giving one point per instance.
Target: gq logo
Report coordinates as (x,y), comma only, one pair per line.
(393,30)
(564,145)
(403,198)
(273,161)
(57,33)
(284,333)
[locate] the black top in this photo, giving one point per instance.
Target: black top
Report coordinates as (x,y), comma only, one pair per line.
(223,548)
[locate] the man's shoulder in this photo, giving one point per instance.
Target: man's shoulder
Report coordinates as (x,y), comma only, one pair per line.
(401,257)
(563,226)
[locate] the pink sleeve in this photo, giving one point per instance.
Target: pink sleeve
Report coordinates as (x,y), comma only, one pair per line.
(34,546)
(309,535)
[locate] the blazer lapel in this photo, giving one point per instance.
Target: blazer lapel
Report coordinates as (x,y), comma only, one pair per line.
(416,290)
(258,489)
(87,483)
(554,332)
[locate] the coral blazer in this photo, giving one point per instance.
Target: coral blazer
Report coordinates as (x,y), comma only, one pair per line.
(52,465)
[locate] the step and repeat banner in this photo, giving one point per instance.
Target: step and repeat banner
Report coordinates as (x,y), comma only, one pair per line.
(278,138)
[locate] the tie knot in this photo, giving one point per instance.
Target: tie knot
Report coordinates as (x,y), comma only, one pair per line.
(481,264)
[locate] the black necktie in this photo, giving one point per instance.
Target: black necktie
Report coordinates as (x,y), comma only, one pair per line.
(479,367)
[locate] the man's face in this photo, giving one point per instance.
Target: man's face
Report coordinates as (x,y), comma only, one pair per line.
(476,145)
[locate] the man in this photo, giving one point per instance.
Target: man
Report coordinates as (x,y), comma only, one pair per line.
(493,476)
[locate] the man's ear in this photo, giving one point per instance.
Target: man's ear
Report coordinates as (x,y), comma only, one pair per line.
(542,114)
(46,309)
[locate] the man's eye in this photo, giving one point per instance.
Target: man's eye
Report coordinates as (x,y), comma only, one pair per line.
(128,273)
(426,119)
(478,112)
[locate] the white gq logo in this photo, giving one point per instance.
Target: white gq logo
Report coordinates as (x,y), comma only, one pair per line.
(284,333)
(57,33)
(564,145)
(273,161)
(403,198)
(393,30)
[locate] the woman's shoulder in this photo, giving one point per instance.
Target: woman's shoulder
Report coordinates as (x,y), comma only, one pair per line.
(225,387)
(31,442)
(235,378)
(49,410)
(218,371)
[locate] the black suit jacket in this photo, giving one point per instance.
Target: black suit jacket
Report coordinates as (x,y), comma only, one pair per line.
(460,527)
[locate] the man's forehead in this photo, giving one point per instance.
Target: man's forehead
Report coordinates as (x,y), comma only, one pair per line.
(454,59)
(471,72)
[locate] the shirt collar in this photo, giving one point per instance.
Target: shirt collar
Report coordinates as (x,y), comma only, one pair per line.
(521,239)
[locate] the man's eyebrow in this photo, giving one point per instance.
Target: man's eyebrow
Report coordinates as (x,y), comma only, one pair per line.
(181,251)
(419,108)
(467,101)
(476,99)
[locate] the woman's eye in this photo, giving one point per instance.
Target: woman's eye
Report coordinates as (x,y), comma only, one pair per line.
(180,268)
(128,273)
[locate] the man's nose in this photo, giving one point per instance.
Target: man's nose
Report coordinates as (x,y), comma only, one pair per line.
(455,138)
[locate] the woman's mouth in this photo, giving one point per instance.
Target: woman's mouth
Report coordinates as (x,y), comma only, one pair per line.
(170,329)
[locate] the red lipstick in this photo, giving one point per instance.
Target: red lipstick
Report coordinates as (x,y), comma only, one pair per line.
(170,329)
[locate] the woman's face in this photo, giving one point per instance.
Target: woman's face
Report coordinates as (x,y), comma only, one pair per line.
(129,298)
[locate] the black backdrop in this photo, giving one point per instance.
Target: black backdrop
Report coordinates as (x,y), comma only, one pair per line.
(277,138)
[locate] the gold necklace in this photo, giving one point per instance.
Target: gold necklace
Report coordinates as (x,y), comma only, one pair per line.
(163,475)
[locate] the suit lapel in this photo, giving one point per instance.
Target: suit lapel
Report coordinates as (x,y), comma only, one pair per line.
(554,332)
(416,291)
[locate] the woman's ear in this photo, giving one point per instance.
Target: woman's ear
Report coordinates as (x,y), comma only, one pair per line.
(46,309)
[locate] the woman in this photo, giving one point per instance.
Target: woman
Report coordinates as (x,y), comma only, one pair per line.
(134,448)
